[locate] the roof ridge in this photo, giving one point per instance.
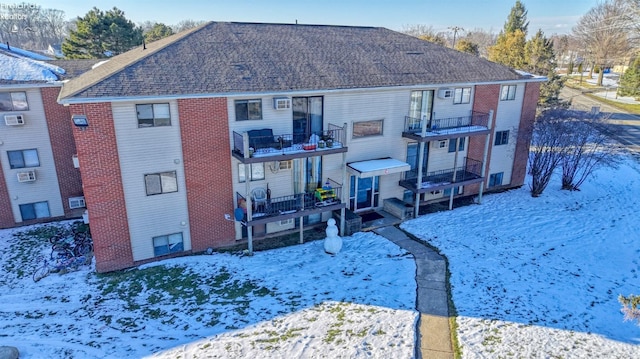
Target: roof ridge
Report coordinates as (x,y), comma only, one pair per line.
(123,61)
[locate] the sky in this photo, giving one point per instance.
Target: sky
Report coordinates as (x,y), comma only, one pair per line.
(552,16)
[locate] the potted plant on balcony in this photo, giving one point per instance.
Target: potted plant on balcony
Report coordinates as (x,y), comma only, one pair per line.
(328,139)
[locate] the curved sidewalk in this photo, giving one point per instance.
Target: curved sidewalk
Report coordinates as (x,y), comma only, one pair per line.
(434,334)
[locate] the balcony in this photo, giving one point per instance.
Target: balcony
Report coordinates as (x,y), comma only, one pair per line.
(293,206)
(262,145)
(470,172)
(437,129)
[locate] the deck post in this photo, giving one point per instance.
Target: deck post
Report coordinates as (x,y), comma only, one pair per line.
(247,188)
(455,168)
(343,211)
(301,230)
(484,155)
(423,133)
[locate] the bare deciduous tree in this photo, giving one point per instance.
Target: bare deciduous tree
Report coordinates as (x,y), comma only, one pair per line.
(630,307)
(547,148)
(425,32)
(186,25)
(484,40)
(587,148)
(604,31)
(33,27)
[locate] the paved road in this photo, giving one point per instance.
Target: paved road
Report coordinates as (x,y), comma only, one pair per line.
(622,126)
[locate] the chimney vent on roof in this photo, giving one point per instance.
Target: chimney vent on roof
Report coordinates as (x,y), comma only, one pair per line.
(144,45)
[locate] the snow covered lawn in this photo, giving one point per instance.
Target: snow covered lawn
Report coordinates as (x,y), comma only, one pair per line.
(285,303)
(540,277)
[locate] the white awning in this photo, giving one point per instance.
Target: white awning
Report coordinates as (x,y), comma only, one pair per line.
(379,167)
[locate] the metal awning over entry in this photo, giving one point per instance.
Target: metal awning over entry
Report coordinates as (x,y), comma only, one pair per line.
(379,167)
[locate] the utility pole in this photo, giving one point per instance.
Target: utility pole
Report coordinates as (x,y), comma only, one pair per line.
(455,30)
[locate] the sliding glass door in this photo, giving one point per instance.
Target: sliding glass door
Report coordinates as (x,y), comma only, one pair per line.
(307,117)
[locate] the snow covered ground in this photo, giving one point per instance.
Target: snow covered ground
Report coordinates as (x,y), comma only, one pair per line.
(286,303)
(540,277)
(531,278)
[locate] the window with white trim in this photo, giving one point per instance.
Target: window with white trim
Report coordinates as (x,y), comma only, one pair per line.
(13,101)
(461,95)
(167,244)
(153,115)
(248,110)
(23,158)
(502,138)
(34,210)
(495,179)
(256,169)
(508,92)
(159,183)
(452,144)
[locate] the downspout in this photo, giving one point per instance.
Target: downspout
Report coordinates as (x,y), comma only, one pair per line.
(484,155)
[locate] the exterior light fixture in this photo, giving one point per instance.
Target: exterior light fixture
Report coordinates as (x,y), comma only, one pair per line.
(80,121)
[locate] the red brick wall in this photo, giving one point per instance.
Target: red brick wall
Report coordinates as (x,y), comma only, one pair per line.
(62,145)
(103,191)
(485,99)
(529,104)
(207,164)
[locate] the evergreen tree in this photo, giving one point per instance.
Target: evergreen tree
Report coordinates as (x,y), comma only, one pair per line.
(541,60)
(509,50)
(467,46)
(517,19)
(101,34)
(157,32)
(630,80)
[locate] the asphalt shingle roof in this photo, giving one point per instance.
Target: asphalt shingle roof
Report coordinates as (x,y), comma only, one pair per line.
(223,57)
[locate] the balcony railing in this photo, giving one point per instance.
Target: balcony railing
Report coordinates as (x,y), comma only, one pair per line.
(470,170)
(476,122)
(263,143)
(295,203)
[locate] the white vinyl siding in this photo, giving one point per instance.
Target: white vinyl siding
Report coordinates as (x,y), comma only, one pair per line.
(507,118)
(143,152)
(34,134)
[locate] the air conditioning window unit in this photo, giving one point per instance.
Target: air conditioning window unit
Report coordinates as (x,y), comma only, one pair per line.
(14,120)
(281,103)
(445,93)
(77,202)
(440,144)
(28,176)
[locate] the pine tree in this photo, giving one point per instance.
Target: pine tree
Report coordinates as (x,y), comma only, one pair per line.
(517,19)
(630,80)
(509,50)
(101,34)
(157,32)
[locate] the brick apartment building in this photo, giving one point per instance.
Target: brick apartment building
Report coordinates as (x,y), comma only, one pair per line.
(231,131)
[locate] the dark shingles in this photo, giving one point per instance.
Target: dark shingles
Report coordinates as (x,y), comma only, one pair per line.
(74,68)
(245,57)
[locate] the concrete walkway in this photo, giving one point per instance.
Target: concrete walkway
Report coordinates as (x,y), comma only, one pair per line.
(434,334)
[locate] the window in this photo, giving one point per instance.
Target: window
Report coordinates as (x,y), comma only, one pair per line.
(462,95)
(502,138)
(508,92)
(170,243)
(13,101)
(153,115)
(452,144)
(248,110)
(495,179)
(158,183)
(447,192)
(34,210)
(367,128)
(257,172)
(23,158)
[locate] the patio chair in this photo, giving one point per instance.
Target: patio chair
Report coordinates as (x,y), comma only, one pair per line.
(259,198)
